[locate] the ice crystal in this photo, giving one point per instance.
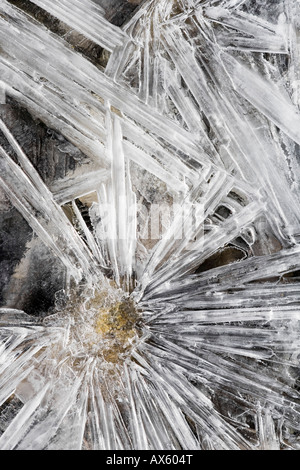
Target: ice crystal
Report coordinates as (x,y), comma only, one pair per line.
(171,318)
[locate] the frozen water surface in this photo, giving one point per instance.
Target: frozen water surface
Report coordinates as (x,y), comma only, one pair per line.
(150,224)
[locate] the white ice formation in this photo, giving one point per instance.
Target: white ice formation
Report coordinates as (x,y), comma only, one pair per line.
(178,343)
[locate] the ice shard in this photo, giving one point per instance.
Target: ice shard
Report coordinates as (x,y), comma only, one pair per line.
(149,225)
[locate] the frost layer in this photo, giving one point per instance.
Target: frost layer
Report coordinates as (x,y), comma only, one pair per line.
(185,340)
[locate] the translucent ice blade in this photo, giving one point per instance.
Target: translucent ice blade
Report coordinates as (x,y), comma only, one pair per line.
(255,268)
(143,159)
(73,187)
(188,261)
(22,422)
(18,365)
(252,342)
(265,96)
(36,204)
(137,426)
(85,18)
(109,431)
(172,162)
(292,11)
(170,392)
(48,418)
(155,425)
(216,370)
(68,67)
(73,425)
(216,316)
(57,111)
(240,131)
(124,202)
(266,428)
(11,316)
(89,236)
(118,206)
(259,35)
(255,295)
